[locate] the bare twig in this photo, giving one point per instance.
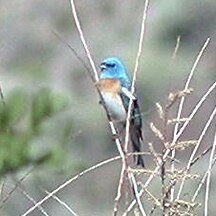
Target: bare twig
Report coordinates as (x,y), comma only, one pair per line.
(160,111)
(32,200)
(15,187)
(196,108)
(141,38)
(176,48)
(188,82)
(194,111)
(2,96)
(3,180)
(118,195)
(176,127)
(208,181)
(63,204)
(196,148)
(135,189)
(124,166)
(82,38)
(75,53)
(200,156)
(114,131)
(156,157)
(68,182)
(202,182)
(157,132)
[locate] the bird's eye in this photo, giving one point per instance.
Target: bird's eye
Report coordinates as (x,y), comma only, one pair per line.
(112,65)
(105,65)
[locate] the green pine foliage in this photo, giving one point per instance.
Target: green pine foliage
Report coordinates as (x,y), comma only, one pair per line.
(21,117)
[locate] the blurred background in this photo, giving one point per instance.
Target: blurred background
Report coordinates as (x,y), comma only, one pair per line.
(51,124)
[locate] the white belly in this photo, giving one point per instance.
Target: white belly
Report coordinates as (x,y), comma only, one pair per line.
(114,106)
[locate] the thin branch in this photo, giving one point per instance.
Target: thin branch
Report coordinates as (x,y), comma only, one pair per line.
(201,155)
(196,108)
(208,181)
(196,148)
(68,182)
(141,38)
(194,111)
(176,48)
(32,200)
(188,82)
(63,204)
(120,185)
(75,54)
(176,127)
(113,129)
(2,96)
(3,181)
(15,187)
(82,38)
(135,189)
(202,182)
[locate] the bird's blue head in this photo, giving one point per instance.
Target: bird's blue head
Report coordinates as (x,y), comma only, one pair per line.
(113,68)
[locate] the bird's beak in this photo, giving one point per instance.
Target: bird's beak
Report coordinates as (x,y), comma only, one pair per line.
(102,66)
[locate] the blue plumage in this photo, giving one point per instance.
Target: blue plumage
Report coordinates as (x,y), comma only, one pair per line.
(113,78)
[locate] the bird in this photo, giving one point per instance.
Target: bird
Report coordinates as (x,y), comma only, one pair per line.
(115,87)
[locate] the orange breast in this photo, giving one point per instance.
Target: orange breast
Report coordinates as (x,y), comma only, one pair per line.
(109,85)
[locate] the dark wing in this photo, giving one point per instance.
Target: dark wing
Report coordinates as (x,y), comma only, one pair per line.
(135,127)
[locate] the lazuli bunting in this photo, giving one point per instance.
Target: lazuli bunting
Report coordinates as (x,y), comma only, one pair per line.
(115,86)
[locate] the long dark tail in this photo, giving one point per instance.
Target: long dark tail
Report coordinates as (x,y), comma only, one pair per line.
(136,139)
(135,128)
(136,132)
